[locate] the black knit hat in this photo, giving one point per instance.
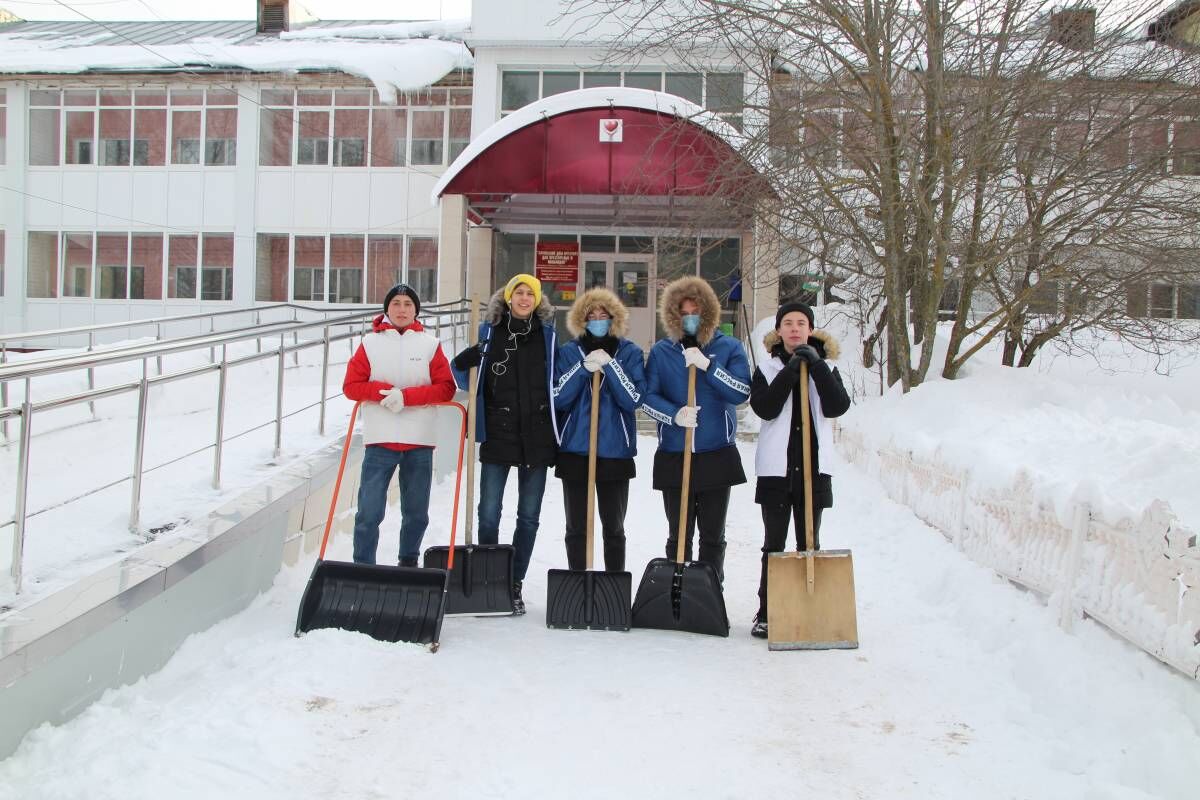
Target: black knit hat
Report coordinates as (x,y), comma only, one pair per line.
(402,288)
(789,307)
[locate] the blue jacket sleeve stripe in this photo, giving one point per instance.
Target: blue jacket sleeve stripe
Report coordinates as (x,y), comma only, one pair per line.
(730,381)
(656,414)
(566,376)
(624,380)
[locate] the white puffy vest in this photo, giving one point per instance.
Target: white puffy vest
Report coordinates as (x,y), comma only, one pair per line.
(770,459)
(401,360)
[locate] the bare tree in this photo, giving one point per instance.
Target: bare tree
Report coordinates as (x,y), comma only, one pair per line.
(1016,167)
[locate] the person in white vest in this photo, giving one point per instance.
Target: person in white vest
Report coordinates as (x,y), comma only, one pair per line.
(779,461)
(397,372)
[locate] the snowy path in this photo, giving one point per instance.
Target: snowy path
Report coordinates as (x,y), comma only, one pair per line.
(963,687)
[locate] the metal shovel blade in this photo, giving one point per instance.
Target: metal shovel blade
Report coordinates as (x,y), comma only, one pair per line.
(587,600)
(681,596)
(817,617)
(481,581)
(391,604)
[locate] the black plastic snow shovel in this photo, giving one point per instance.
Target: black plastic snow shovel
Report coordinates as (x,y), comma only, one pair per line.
(481,575)
(391,604)
(583,599)
(678,595)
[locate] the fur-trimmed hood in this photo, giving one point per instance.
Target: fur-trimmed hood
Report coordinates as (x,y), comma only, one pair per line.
(823,341)
(592,299)
(698,290)
(497,308)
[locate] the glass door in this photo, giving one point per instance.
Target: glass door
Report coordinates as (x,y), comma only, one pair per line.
(631,281)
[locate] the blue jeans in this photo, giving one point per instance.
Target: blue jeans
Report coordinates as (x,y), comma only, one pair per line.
(531,485)
(416,478)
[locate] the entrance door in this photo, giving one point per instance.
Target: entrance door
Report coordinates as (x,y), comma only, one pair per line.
(630,278)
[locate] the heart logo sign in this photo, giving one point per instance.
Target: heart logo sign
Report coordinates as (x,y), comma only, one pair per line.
(611,130)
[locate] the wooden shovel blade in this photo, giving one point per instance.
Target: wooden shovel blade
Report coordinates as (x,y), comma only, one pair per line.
(824,618)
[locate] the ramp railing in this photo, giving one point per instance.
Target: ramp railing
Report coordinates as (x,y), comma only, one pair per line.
(274,341)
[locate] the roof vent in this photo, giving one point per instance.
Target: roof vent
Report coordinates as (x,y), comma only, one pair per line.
(1074,28)
(272,16)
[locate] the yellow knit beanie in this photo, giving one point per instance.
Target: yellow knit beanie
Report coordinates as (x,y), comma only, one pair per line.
(528,280)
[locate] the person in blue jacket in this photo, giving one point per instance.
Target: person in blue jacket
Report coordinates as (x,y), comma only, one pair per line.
(689,313)
(514,423)
(599,322)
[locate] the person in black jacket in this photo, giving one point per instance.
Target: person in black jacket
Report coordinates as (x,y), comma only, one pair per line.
(515,424)
(779,460)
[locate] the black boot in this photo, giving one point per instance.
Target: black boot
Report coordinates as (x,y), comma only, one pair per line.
(518,603)
(759,627)
(411,561)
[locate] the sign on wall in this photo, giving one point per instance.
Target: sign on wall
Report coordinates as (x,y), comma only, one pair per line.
(611,130)
(557,262)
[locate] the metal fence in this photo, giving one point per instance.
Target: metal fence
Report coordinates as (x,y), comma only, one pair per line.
(274,341)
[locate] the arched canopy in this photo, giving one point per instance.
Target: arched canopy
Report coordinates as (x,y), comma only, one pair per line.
(594,156)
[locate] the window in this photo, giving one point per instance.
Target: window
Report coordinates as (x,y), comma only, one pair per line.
(518,89)
(185,137)
(182,253)
(1189,296)
(271,268)
(1135,300)
(115,136)
(149,135)
(112,266)
(346,254)
(41,278)
(1185,147)
(350,126)
(428,134)
(389,138)
(220,136)
(644,80)
(80,136)
(77,265)
(1162,300)
(3,142)
(1044,299)
(559,82)
(216,273)
(43,135)
(422,267)
(145,266)
(460,132)
(274,135)
(385,265)
(591,79)
(308,272)
(688,85)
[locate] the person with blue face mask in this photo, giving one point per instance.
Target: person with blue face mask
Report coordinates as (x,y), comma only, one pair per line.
(598,320)
(690,312)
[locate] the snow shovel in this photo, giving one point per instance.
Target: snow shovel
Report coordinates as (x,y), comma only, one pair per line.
(392,604)
(583,599)
(678,595)
(810,594)
(481,575)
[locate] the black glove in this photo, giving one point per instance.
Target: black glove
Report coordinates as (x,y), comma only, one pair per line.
(804,354)
(470,357)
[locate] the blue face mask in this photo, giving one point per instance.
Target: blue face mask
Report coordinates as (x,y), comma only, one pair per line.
(691,324)
(598,327)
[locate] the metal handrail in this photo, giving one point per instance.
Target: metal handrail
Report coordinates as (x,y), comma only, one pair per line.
(455,311)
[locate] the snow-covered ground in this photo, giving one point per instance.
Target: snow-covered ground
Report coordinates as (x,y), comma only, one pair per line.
(963,685)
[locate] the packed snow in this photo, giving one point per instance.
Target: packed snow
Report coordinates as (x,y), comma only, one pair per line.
(963,685)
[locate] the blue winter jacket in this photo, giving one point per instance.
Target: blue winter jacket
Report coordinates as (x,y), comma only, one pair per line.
(622,385)
(719,390)
(462,376)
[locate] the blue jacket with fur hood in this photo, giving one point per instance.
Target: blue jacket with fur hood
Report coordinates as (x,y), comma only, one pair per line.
(622,384)
(719,389)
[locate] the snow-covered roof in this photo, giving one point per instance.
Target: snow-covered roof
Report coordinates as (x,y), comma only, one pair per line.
(598,97)
(394,56)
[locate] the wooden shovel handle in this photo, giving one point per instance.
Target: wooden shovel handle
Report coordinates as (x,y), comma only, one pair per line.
(687,469)
(472,388)
(806,450)
(591,486)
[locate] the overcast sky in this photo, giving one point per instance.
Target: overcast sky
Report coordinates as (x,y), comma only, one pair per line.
(233,9)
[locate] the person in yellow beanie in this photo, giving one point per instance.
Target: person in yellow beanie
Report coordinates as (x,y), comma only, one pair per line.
(515,424)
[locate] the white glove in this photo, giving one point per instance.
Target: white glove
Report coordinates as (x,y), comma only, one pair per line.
(693,357)
(393,399)
(596,360)
(686,416)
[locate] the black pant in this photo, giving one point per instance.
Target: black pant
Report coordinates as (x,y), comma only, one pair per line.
(707,510)
(776,517)
(612,498)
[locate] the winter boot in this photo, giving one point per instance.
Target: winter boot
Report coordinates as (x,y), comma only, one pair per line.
(410,561)
(758,629)
(518,603)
